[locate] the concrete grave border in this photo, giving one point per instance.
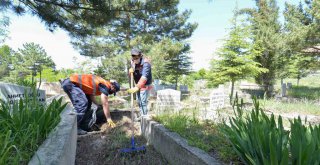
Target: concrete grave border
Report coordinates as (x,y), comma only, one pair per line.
(60,146)
(172,146)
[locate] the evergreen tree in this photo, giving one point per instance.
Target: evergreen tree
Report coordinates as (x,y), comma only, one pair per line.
(29,60)
(302,28)
(300,66)
(144,29)
(5,61)
(179,65)
(113,68)
(4,23)
(235,59)
(78,17)
(160,19)
(267,35)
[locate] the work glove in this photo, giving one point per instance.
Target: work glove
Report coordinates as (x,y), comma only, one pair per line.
(111,123)
(131,70)
(133,90)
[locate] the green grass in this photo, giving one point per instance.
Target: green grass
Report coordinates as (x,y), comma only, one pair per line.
(24,127)
(204,135)
(311,81)
(305,92)
(304,107)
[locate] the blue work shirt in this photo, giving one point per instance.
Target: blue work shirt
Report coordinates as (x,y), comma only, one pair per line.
(142,69)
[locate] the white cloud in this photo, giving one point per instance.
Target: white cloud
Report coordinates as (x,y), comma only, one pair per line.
(24,29)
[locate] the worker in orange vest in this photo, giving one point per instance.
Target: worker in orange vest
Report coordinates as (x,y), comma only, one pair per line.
(82,90)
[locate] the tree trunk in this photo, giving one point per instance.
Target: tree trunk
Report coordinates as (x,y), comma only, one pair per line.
(128,46)
(267,82)
(231,92)
(176,83)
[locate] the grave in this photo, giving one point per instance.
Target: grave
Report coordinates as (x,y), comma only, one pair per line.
(168,99)
(217,98)
(10,93)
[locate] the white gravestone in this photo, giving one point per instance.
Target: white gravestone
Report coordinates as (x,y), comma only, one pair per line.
(217,98)
(10,93)
(168,99)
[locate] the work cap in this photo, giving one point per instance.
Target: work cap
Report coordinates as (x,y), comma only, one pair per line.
(135,52)
(116,86)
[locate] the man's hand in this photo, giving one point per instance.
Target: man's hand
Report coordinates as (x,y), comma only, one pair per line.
(133,90)
(131,70)
(111,123)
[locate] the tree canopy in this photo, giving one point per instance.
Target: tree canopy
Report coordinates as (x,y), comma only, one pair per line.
(78,17)
(26,61)
(236,58)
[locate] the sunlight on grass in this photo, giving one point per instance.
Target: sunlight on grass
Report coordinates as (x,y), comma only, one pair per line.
(204,135)
(311,81)
(305,107)
(311,93)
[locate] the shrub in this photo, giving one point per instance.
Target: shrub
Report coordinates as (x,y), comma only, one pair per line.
(258,139)
(26,125)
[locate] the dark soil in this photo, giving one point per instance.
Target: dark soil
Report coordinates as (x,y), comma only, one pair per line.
(103,147)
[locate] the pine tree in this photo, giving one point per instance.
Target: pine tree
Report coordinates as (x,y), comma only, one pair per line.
(5,61)
(267,35)
(29,60)
(159,19)
(78,17)
(145,29)
(4,23)
(302,28)
(179,65)
(235,59)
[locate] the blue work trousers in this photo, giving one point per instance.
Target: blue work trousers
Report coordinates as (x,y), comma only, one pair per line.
(78,98)
(142,98)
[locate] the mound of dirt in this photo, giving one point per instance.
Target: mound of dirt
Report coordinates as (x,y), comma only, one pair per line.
(103,147)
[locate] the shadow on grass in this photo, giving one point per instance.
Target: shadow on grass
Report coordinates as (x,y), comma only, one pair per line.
(311,93)
(258,93)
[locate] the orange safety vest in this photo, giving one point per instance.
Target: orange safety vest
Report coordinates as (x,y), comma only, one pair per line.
(89,83)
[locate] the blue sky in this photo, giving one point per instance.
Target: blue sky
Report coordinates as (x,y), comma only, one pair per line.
(212,16)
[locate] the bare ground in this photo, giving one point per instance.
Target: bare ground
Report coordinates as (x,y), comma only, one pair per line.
(103,147)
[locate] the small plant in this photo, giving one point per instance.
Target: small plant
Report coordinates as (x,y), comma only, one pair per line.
(27,83)
(261,139)
(204,135)
(256,138)
(304,143)
(26,124)
(7,148)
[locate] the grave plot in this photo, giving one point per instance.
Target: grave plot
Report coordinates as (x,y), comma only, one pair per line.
(168,99)
(102,147)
